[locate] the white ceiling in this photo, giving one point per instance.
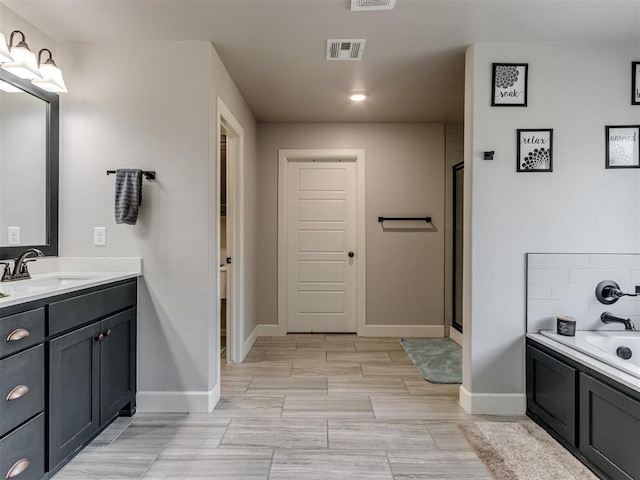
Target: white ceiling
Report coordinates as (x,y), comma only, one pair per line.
(413,66)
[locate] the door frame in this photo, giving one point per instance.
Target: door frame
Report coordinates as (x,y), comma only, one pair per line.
(235,232)
(285,156)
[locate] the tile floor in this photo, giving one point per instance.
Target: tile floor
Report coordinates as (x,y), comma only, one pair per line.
(301,407)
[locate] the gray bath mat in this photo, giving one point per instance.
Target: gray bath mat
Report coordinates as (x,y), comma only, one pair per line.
(439,360)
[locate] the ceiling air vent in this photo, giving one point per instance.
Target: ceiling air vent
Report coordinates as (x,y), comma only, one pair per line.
(362,5)
(345,49)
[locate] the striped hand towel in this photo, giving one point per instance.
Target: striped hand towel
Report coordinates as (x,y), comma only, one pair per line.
(128,195)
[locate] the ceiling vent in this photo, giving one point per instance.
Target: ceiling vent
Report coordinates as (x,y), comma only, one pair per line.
(364,5)
(345,49)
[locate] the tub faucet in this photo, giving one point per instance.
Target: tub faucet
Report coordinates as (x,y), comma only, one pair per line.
(608,317)
(20,271)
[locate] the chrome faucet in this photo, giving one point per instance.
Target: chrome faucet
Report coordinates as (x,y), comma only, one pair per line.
(608,317)
(20,271)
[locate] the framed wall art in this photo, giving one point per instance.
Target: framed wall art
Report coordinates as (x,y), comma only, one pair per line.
(635,83)
(622,144)
(509,84)
(535,150)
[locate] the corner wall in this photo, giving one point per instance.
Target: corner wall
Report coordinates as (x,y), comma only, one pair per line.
(580,207)
(404,177)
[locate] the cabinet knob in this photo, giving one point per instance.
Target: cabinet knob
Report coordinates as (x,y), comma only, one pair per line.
(100,337)
(18,334)
(108,333)
(17,468)
(17,392)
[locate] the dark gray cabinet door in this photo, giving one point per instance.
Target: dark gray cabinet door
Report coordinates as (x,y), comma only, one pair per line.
(74,387)
(551,392)
(117,363)
(609,429)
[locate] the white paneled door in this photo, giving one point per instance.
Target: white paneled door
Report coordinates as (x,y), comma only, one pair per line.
(321,246)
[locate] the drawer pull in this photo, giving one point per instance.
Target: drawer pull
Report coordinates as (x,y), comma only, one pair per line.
(18,334)
(17,392)
(17,468)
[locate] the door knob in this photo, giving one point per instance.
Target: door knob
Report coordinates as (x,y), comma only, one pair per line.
(351,254)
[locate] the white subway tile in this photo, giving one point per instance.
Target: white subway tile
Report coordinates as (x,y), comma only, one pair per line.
(538,292)
(535,323)
(622,308)
(547,276)
(572,292)
(557,260)
(635,277)
(558,307)
(614,261)
(593,277)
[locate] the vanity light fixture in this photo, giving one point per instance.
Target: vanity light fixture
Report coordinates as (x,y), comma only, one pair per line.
(358,97)
(5,55)
(24,64)
(51,75)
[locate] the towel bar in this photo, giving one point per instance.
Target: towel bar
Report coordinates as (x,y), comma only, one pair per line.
(423,219)
(149,175)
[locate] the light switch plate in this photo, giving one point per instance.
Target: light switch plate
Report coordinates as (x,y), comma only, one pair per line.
(14,235)
(100,236)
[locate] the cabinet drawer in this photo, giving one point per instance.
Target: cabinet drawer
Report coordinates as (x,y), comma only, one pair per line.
(73,312)
(21,330)
(21,387)
(23,450)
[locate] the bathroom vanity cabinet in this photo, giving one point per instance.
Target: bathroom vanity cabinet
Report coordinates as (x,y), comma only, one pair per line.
(593,416)
(74,366)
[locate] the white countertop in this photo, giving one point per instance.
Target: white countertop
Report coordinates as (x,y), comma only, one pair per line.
(594,364)
(58,275)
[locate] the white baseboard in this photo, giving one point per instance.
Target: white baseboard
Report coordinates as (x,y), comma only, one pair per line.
(455,335)
(493,403)
(248,343)
(178,402)
(271,330)
(434,331)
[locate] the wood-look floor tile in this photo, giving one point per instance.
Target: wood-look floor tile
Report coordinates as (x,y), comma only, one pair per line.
(234,385)
(359,357)
(448,436)
(273,347)
(112,432)
(326,369)
(288,386)
(306,337)
(99,463)
(294,356)
(277,432)
(378,346)
(399,357)
(367,385)
(341,337)
(419,465)
(328,406)
(179,419)
(256,355)
(280,369)
(401,370)
(178,436)
(279,339)
(218,464)
(379,434)
(249,406)
(329,465)
(420,386)
(417,407)
(326,347)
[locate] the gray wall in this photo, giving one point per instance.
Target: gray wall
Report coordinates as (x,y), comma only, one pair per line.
(576,89)
(404,177)
(129,106)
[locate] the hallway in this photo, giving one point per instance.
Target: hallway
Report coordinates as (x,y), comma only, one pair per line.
(301,407)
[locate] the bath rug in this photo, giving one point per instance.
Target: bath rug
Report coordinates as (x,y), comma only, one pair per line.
(522,451)
(439,360)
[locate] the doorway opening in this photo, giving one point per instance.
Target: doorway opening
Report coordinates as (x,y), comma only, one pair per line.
(457,251)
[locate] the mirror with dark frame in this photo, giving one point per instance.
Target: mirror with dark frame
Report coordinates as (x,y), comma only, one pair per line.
(29,140)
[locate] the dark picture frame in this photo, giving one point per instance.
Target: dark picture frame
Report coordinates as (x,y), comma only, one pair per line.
(509,84)
(535,150)
(635,83)
(622,146)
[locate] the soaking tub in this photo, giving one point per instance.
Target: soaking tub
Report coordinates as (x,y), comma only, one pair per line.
(607,346)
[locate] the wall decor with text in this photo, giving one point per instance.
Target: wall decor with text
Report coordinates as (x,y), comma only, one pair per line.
(635,83)
(535,148)
(509,84)
(622,146)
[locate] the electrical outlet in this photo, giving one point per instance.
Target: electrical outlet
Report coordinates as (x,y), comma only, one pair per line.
(14,235)
(100,236)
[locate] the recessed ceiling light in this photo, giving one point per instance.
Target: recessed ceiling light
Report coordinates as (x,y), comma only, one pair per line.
(358,97)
